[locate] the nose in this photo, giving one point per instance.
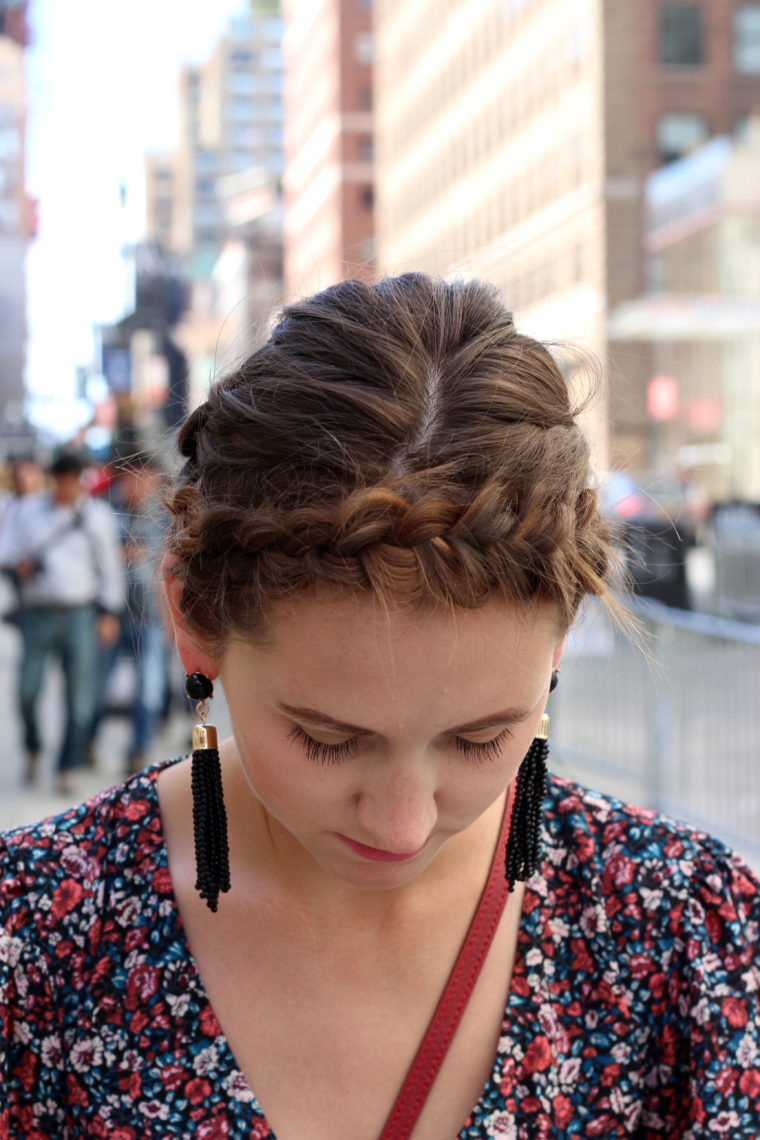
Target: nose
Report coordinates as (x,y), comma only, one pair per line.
(398,810)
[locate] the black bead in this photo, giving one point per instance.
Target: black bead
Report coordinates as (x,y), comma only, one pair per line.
(554,681)
(198,687)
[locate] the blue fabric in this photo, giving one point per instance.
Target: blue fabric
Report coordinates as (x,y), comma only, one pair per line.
(69,634)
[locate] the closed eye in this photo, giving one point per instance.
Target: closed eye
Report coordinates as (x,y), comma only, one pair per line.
(482,750)
(325,753)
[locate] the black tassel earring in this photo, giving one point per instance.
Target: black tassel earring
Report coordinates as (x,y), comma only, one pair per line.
(212,861)
(524,843)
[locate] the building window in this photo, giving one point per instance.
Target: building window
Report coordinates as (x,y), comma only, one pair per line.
(364,48)
(365,148)
(747,39)
(681,36)
(368,198)
(678,133)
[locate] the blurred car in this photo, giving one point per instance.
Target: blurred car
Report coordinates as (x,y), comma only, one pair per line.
(656,520)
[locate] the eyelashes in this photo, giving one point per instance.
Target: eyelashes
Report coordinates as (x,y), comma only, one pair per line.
(325,753)
(322,753)
(487,750)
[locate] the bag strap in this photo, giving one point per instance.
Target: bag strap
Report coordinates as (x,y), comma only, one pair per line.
(74,523)
(453,1001)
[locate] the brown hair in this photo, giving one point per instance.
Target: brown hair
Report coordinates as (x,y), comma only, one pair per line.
(400,438)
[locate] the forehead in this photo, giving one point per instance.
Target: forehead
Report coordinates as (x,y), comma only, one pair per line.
(349,641)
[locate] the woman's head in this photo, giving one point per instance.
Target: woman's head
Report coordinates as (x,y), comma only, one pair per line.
(402,440)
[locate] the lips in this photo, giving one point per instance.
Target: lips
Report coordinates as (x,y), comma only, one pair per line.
(377,854)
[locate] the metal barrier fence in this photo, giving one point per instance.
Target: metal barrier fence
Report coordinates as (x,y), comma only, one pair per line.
(675,728)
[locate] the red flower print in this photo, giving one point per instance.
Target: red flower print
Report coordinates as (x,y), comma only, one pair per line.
(76,1094)
(25,1120)
(132,1085)
(668,1045)
(136,810)
(697,1111)
(610,1075)
(214,1129)
(26,1071)
(538,1055)
(65,897)
(172,1076)
(714,926)
(725,1081)
(209,1024)
(582,959)
(657,985)
(734,1011)
(162,881)
(563,1110)
(749,1083)
(197,1090)
(618,871)
(142,984)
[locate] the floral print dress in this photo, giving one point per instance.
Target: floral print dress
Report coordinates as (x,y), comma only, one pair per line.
(634,1007)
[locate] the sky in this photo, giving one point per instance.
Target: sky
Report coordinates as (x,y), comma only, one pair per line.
(101,93)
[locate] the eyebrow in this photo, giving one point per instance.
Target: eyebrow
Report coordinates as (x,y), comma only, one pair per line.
(313,716)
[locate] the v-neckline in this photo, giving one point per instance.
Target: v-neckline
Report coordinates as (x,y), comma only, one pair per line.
(512,1003)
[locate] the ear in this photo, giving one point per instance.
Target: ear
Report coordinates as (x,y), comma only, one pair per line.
(556,656)
(194,655)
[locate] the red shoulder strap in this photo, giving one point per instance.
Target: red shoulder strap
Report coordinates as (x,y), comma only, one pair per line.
(455,996)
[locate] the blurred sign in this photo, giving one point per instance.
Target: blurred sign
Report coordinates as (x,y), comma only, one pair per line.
(705,415)
(117,368)
(662,397)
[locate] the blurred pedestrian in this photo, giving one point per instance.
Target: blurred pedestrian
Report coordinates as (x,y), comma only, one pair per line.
(63,549)
(143,636)
(25,477)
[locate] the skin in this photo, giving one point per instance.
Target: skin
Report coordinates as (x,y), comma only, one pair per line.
(351,953)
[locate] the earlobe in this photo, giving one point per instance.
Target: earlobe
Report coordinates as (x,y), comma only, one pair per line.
(193,654)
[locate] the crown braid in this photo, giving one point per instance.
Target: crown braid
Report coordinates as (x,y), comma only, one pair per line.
(402,439)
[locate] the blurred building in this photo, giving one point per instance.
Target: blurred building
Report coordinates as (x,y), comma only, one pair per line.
(328,179)
(231,308)
(230,121)
(213,204)
(513,141)
(159,199)
(700,314)
(18,222)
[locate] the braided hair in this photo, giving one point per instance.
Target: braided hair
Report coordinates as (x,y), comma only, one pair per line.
(401,439)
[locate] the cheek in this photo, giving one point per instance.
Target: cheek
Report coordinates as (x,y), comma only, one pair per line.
(277,771)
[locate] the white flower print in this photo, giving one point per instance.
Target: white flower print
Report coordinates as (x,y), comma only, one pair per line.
(51,1051)
(236,1087)
(86,1054)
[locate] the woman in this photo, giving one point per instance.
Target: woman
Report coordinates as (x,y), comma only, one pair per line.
(383,527)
